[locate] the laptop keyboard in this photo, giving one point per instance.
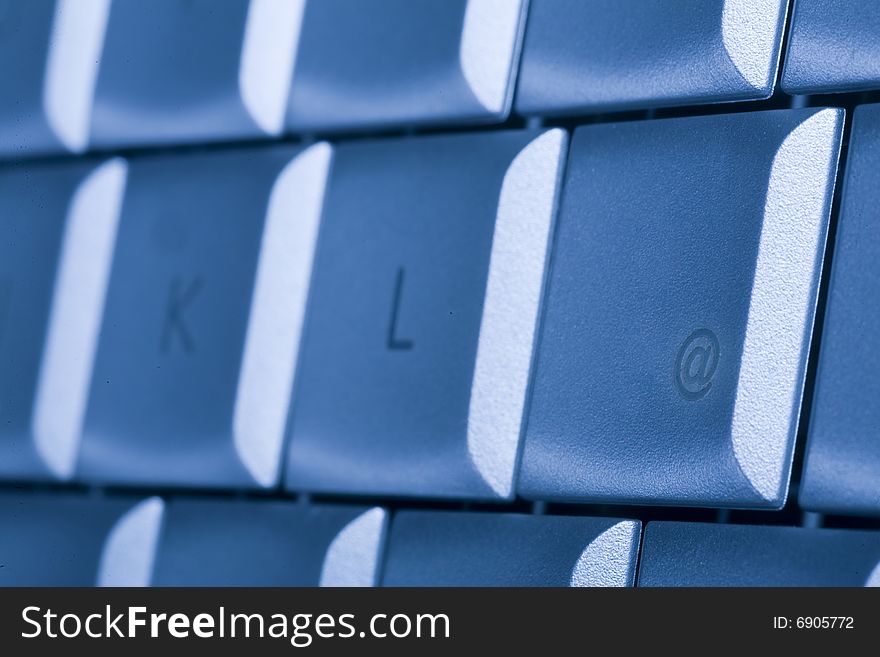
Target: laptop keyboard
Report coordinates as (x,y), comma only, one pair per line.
(439,293)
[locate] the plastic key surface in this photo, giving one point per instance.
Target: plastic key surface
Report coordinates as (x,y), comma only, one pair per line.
(504,549)
(694,554)
(25,31)
(404,62)
(265,543)
(71,540)
(680,309)
(58,226)
(842,467)
(198,348)
(417,351)
(599,56)
(178,71)
(833,46)
(49,54)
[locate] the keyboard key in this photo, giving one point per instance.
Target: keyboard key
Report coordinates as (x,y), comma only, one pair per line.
(842,467)
(482,549)
(422,315)
(833,45)
(185,70)
(57,234)
(694,554)
(195,365)
(208,543)
(61,540)
(599,56)
(680,307)
(24,43)
(404,62)
(47,54)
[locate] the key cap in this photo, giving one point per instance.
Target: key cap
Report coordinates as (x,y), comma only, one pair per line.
(833,46)
(188,71)
(66,540)
(208,543)
(680,308)
(600,56)
(422,315)
(24,40)
(46,47)
(481,549)
(58,227)
(694,554)
(404,62)
(194,369)
(842,468)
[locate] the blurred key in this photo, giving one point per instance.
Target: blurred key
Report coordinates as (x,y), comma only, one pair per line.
(599,56)
(842,470)
(389,62)
(199,341)
(24,45)
(680,309)
(482,549)
(58,227)
(833,46)
(422,315)
(48,49)
(694,554)
(59,540)
(264,543)
(194,70)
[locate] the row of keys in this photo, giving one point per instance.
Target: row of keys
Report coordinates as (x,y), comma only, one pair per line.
(125,542)
(105,73)
(85,74)
(177,320)
(162,345)
(72,541)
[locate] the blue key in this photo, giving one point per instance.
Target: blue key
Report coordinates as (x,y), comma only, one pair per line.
(842,470)
(48,51)
(404,62)
(598,56)
(175,71)
(424,302)
(24,44)
(195,365)
(680,308)
(58,227)
(481,549)
(694,554)
(264,543)
(62,540)
(833,46)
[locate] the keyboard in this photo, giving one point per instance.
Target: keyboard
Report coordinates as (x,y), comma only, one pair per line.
(439,293)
